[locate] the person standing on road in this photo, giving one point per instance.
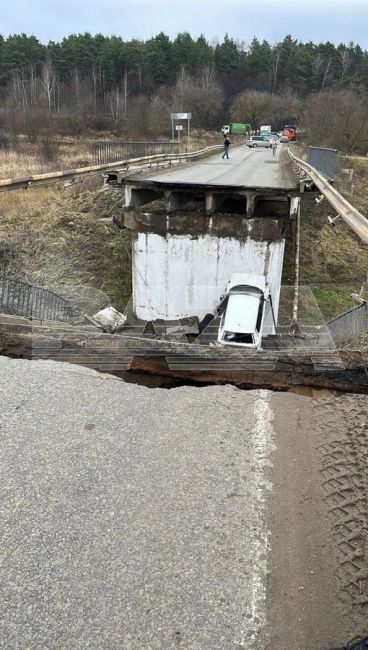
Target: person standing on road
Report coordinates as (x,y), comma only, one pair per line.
(226,149)
(274,147)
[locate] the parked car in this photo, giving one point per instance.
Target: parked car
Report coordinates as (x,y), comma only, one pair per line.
(259,141)
(284,139)
(242,309)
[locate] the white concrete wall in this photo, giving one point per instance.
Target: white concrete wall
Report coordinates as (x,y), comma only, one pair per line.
(176,276)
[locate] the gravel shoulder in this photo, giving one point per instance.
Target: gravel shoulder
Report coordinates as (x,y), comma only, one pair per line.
(318,588)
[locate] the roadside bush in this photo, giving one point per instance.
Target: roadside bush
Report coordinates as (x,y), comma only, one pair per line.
(5,140)
(48,148)
(338,119)
(100,123)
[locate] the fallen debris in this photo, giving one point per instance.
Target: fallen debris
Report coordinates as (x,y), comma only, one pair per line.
(109,319)
(281,369)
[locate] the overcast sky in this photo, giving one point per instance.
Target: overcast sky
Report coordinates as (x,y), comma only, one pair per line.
(316,20)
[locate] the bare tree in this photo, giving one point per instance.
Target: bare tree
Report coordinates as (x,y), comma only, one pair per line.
(33,84)
(201,95)
(76,83)
(116,105)
(254,107)
(338,119)
(292,106)
(345,60)
(48,78)
(94,76)
(159,116)
(125,93)
(183,90)
(18,89)
(317,63)
(57,84)
(325,74)
(208,77)
(208,99)
(275,62)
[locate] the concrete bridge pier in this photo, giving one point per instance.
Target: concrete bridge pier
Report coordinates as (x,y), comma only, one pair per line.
(213,201)
(250,203)
(183,259)
(135,197)
(204,226)
(182,263)
(177,200)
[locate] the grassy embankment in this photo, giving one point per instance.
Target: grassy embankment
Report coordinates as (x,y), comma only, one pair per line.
(28,158)
(52,237)
(333,261)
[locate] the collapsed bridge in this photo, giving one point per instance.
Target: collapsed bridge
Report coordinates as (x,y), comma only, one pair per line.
(193,227)
(196,225)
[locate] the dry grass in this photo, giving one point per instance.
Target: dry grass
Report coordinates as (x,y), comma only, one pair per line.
(333,261)
(328,254)
(53,238)
(355,192)
(30,159)
(199,140)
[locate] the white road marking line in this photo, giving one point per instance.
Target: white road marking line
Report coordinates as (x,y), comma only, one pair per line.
(260,487)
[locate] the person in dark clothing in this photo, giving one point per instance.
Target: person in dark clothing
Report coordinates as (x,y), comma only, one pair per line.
(226,148)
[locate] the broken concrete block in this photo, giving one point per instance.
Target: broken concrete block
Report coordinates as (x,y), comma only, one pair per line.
(110,319)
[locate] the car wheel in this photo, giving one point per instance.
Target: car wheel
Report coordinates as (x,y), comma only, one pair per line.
(255,145)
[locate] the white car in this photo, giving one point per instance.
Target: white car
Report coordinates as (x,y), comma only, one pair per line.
(259,141)
(242,310)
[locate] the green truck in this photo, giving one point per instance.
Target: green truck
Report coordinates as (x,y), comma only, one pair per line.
(235,127)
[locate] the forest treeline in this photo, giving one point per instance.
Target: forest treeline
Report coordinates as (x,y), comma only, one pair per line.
(131,86)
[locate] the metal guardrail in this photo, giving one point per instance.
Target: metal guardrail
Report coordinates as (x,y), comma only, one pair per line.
(352,217)
(22,299)
(324,160)
(56,177)
(350,325)
(105,152)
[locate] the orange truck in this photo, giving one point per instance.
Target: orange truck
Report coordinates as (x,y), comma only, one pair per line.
(290,131)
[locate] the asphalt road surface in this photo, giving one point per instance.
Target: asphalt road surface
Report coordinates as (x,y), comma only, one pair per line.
(245,168)
(193,518)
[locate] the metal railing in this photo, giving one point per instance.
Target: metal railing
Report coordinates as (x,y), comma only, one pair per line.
(105,152)
(22,299)
(350,325)
(352,217)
